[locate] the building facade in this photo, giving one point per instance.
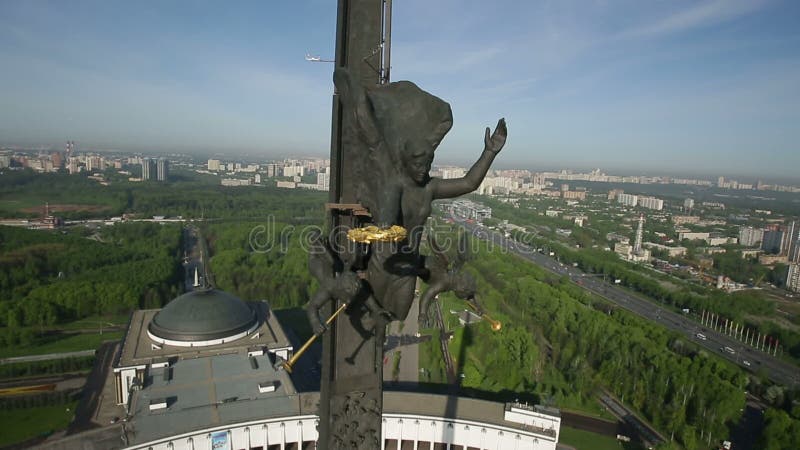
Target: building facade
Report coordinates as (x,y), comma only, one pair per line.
(410,421)
(148,169)
(627,199)
(651,203)
(793,277)
(162,169)
(751,236)
(773,239)
(201,374)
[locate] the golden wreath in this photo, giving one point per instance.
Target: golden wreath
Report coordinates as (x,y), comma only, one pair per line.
(372,233)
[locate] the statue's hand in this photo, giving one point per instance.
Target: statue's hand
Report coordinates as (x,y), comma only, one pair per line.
(319,327)
(497,140)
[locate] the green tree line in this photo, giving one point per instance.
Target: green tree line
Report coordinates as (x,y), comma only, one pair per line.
(48,277)
(188,194)
(258,263)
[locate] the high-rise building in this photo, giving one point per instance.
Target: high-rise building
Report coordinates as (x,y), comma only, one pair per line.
(95,162)
(793,277)
(794,243)
(789,238)
(213,164)
(294,171)
(750,236)
(163,169)
(688,204)
(651,203)
(148,169)
(58,160)
(273,170)
(324,179)
(628,199)
(773,239)
(73,165)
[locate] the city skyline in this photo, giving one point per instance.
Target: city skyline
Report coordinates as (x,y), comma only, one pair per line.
(702,87)
(705,175)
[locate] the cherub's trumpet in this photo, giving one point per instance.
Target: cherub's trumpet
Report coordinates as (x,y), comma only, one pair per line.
(287,365)
(496,325)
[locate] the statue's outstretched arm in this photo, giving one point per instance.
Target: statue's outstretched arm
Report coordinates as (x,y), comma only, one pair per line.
(460,186)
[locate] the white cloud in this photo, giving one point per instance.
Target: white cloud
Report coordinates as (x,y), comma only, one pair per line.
(699,15)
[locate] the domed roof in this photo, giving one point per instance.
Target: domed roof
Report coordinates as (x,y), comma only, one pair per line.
(203,315)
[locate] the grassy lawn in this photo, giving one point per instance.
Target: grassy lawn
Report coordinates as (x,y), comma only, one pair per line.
(586,407)
(96,322)
(64,343)
(23,424)
(9,208)
(585,440)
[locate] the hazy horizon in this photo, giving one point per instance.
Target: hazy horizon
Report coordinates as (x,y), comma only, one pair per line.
(683,86)
(582,167)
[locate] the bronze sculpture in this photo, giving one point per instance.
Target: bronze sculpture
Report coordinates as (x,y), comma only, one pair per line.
(384,140)
(400,126)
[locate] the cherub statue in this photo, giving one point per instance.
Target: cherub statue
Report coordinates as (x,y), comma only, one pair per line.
(442,275)
(336,280)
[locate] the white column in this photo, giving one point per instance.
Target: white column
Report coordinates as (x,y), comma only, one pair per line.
(383,433)
(300,433)
(416,435)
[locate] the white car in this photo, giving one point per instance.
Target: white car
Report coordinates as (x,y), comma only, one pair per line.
(701,336)
(746,363)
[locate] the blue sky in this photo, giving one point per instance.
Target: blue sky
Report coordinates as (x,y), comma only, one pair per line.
(661,85)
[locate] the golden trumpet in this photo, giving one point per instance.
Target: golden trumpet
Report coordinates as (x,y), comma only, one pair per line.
(287,365)
(496,324)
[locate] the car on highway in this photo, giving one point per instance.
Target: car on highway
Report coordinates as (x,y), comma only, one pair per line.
(746,363)
(701,336)
(729,350)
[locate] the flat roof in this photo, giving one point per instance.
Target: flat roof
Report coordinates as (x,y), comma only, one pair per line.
(207,392)
(223,390)
(137,348)
(463,408)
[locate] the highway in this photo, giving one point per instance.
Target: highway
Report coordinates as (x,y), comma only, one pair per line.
(777,370)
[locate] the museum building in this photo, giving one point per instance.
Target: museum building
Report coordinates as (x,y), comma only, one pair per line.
(198,374)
